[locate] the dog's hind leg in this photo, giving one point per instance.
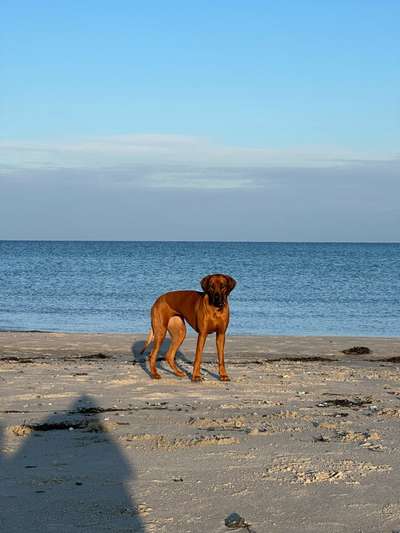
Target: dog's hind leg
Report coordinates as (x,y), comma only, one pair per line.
(177,330)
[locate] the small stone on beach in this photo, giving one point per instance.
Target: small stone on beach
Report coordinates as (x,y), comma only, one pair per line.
(235,521)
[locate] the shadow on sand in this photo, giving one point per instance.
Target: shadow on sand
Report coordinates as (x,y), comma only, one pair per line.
(142,359)
(67,480)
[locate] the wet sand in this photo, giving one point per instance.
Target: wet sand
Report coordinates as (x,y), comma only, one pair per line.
(303,439)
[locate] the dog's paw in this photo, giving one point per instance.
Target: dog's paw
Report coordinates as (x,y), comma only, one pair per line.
(156,376)
(196,379)
(224,378)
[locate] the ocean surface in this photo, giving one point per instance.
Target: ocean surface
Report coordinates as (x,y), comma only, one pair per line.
(282,289)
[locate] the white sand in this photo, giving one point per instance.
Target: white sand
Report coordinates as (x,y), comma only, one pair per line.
(173,456)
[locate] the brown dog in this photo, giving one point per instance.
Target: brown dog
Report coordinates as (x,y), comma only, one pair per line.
(207,312)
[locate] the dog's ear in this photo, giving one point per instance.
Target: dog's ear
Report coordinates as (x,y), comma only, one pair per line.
(205,282)
(231,283)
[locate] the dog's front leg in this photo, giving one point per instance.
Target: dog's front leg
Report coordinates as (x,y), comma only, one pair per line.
(201,340)
(223,376)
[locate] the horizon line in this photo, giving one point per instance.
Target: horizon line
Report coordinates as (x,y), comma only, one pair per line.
(201,241)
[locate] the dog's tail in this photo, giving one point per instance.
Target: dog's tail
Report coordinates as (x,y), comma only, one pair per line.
(150,337)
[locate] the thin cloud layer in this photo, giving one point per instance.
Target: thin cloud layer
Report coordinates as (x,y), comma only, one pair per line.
(181,188)
(138,149)
(157,161)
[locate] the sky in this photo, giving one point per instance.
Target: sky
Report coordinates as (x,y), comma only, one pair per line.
(205,120)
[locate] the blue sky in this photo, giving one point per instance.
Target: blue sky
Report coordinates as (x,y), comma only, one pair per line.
(252,100)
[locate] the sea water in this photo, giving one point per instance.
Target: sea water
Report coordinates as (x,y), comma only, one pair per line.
(282,288)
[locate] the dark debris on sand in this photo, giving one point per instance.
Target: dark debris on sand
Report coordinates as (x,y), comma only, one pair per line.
(357,350)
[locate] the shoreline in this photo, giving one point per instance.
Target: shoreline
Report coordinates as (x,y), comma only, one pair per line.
(194,334)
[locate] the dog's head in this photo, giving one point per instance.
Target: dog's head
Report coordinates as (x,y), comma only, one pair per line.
(218,287)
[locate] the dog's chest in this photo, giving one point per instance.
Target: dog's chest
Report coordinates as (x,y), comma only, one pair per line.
(216,318)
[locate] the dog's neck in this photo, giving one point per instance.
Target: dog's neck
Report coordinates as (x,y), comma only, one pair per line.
(219,308)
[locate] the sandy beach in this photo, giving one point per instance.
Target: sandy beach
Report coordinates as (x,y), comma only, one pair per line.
(304,439)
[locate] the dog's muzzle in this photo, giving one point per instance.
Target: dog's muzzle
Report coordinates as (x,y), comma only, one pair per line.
(217,300)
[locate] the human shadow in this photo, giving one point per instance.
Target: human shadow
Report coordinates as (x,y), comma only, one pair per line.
(181,357)
(68,475)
